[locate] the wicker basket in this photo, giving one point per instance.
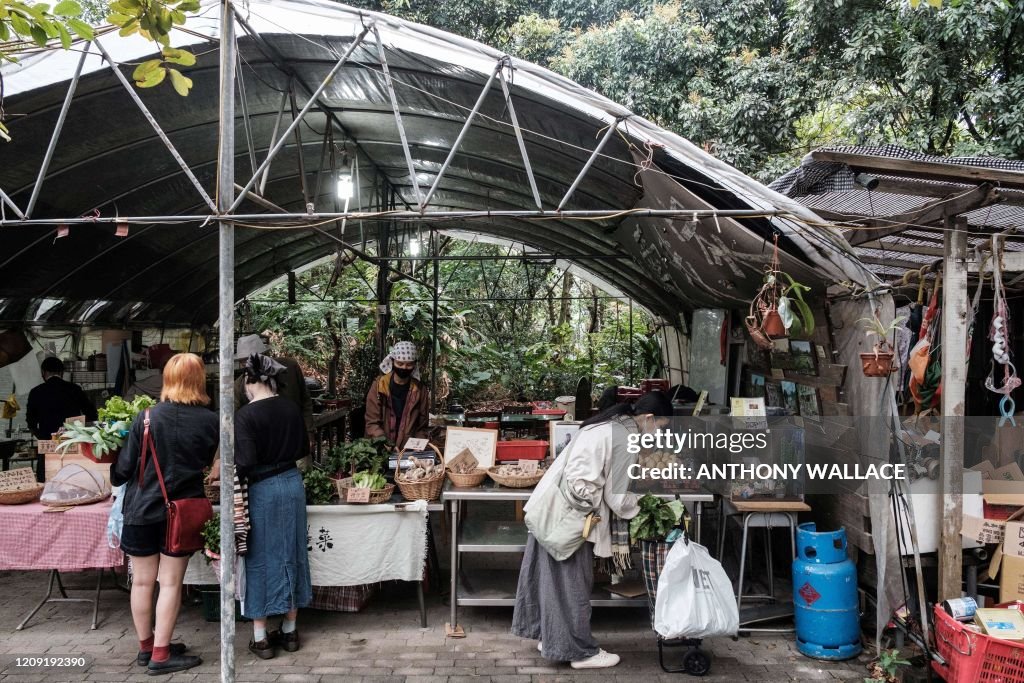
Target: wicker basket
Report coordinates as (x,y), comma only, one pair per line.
(212,491)
(19,486)
(515,482)
(424,489)
(376,497)
(467,480)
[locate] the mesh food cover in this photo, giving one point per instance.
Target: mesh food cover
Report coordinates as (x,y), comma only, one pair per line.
(75,485)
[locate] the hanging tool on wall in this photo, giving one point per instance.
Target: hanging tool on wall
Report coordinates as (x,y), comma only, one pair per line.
(999,335)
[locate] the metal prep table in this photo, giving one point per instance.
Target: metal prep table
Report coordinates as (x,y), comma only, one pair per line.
(484,536)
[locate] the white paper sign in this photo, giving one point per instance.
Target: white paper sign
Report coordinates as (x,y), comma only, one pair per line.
(416,445)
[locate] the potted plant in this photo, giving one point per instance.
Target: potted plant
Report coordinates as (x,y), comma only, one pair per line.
(101,442)
(652,526)
(779,309)
(211,542)
(879,362)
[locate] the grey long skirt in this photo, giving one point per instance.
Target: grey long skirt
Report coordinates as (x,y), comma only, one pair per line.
(553,602)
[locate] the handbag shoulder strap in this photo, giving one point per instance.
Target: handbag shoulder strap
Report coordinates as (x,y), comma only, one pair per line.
(150,446)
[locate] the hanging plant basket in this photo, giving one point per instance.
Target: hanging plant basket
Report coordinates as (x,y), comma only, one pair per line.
(878,363)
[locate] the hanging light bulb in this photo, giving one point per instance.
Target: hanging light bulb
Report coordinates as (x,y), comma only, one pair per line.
(345,185)
(414,247)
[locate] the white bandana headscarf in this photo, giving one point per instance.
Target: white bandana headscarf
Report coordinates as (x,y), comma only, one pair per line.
(404,351)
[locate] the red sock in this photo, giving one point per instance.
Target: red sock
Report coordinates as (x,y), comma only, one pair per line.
(146,645)
(161,654)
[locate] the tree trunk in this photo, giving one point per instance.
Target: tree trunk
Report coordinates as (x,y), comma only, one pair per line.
(563,313)
(595,311)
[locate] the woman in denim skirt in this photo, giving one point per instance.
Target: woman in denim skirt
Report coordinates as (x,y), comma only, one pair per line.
(270,436)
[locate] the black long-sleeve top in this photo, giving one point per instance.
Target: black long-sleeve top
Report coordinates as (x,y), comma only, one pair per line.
(269,433)
(186,439)
(52,402)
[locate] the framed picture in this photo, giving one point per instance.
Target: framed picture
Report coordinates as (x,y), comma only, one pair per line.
(808,399)
(802,357)
(772,395)
(757,382)
(482,443)
(560,434)
(790,399)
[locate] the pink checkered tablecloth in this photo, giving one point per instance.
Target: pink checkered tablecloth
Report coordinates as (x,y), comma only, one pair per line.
(67,541)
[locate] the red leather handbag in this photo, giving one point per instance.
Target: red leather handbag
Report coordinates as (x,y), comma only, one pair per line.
(185,516)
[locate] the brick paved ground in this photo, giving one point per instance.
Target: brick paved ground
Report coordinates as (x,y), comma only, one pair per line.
(383,644)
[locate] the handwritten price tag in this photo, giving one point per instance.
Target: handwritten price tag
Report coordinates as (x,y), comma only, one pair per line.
(357,495)
(528,466)
(416,445)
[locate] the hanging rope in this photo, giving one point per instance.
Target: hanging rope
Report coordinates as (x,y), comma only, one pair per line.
(998,334)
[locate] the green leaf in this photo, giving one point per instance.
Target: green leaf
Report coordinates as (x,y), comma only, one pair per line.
(65,37)
(177,56)
(142,70)
(68,8)
(129,28)
(182,83)
(188,6)
(39,35)
(81,29)
(153,78)
(20,26)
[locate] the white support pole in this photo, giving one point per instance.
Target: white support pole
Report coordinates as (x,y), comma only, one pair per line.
(954,383)
(225,195)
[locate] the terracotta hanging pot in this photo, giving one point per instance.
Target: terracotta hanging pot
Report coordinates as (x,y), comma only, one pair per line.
(877,363)
(773,325)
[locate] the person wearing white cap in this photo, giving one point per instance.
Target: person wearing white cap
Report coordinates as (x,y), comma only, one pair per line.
(397,405)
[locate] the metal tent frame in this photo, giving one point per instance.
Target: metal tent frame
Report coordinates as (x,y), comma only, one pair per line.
(114,222)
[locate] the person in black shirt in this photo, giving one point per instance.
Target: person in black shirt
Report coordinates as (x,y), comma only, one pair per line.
(55,400)
(270,436)
(185,436)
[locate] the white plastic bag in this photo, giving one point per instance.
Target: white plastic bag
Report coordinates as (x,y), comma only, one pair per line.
(695,598)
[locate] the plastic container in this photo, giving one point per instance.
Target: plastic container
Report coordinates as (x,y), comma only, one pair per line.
(548,411)
(521,450)
(568,404)
(972,657)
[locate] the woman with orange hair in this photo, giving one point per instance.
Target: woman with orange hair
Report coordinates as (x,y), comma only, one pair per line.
(185,435)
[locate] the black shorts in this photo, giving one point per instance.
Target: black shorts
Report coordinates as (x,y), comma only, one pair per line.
(144,540)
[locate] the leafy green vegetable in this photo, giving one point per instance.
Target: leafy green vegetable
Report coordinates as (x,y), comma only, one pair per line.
(656,519)
(211,535)
(369,480)
(117,409)
(319,488)
(361,454)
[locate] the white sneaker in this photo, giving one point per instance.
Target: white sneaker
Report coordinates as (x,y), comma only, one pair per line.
(540,645)
(602,660)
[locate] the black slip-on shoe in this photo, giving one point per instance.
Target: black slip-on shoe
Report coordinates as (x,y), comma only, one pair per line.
(288,641)
(176,649)
(172,664)
(264,649)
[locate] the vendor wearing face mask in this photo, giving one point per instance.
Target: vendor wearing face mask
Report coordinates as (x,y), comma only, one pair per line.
(397,406)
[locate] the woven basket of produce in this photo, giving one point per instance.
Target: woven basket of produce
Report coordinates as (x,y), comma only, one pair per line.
(379,493)
(514,477)
(470,478)
(19,486)
(423,480)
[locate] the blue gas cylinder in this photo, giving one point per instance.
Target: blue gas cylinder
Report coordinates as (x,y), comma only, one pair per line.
(825,595)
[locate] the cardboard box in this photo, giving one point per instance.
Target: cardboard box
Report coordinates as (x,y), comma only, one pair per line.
(54,461)
(1011,578)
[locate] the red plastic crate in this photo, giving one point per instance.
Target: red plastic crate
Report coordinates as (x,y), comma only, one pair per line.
(521,450)
(974,657)
(548,411)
